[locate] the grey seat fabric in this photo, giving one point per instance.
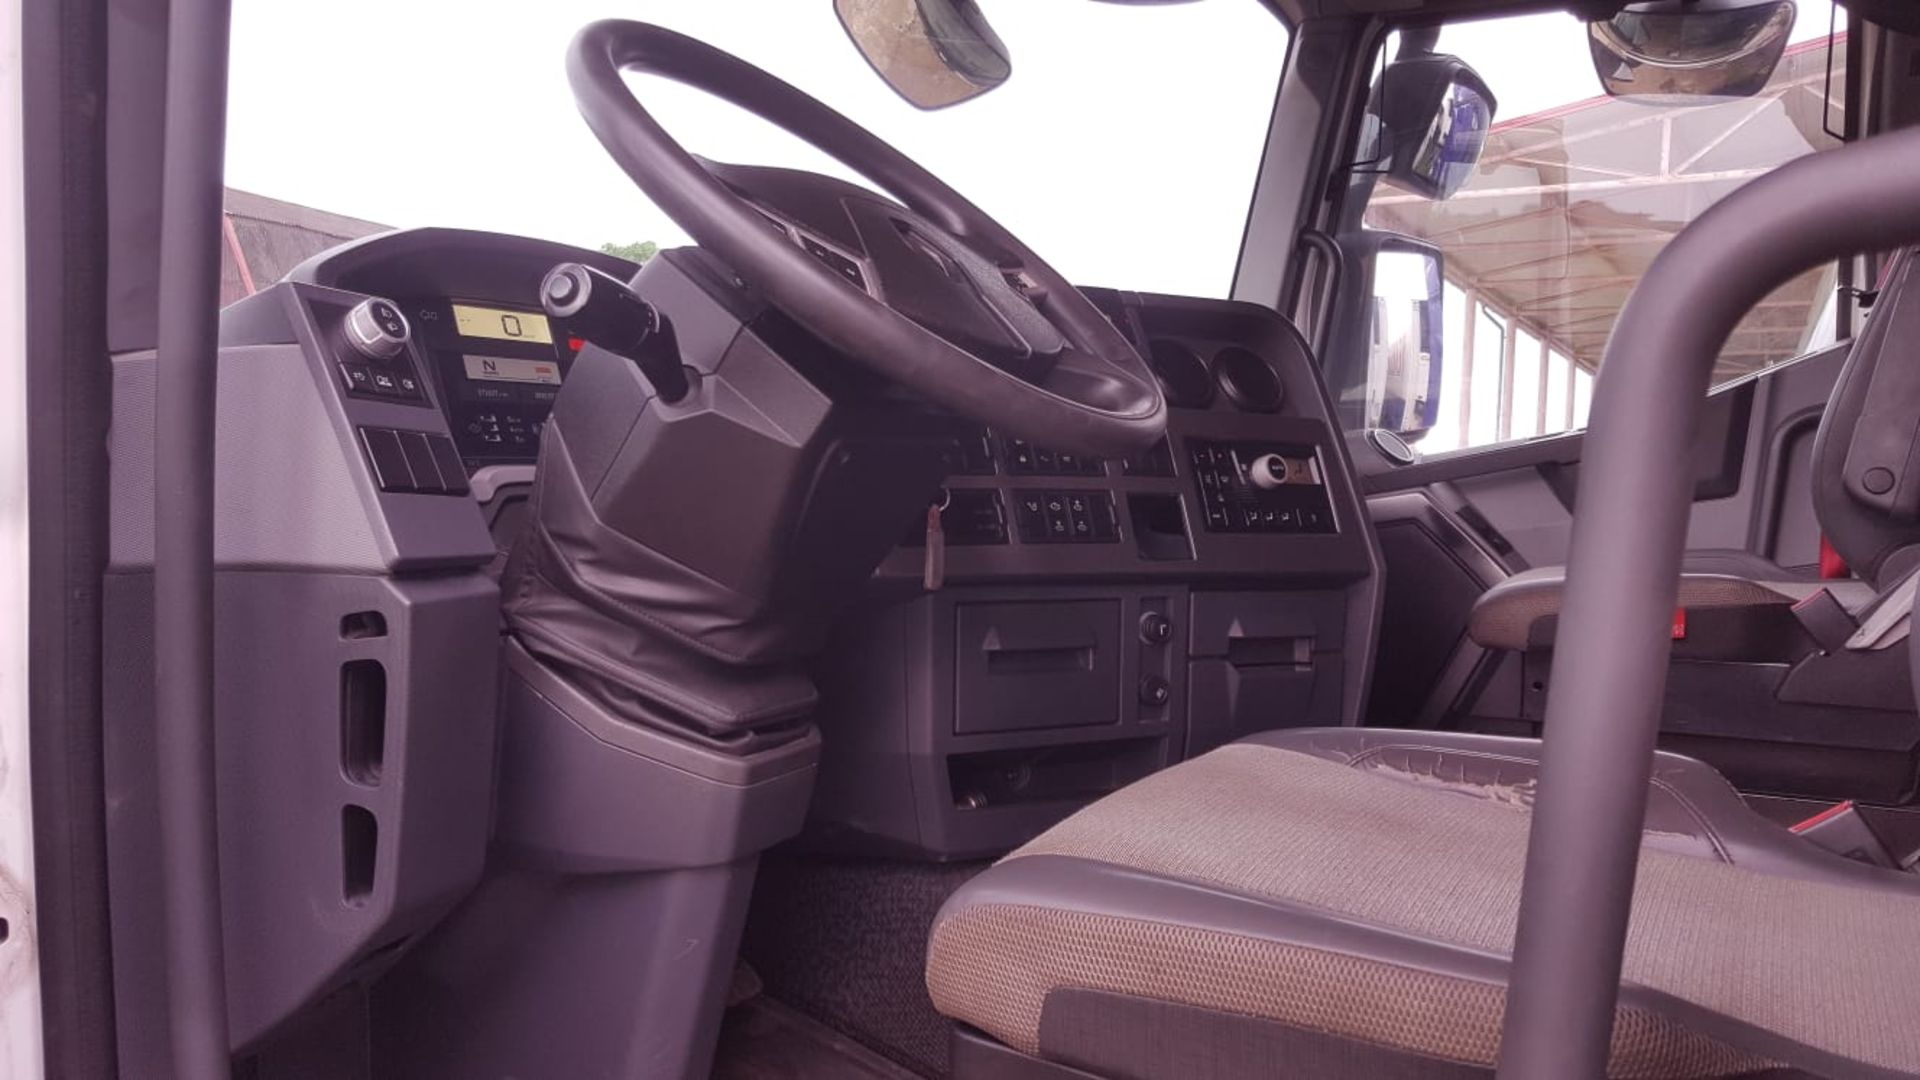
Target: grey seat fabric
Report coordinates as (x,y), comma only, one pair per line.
(1361,886)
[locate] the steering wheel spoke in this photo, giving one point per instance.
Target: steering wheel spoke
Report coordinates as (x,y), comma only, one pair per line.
(959,311)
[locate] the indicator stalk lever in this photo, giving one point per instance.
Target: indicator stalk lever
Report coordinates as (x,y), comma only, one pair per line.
(602,309)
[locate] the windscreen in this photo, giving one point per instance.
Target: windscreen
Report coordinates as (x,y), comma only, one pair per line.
(1123,148)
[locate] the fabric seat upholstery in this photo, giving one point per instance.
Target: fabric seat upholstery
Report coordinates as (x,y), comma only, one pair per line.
(1364,884)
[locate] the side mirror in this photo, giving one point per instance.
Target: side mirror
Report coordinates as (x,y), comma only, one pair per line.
(1384,352)
(934,53)
(1406,279)
(1435,115)
(1669,52)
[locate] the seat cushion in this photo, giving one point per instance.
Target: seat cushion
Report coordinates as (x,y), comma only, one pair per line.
(1309,879)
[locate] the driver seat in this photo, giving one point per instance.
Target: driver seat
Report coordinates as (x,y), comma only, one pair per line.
(1341,903)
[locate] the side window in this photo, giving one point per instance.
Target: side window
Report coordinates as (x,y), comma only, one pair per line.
(1574,194)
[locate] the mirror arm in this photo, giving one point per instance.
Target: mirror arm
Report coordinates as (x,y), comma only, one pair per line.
(1418,41)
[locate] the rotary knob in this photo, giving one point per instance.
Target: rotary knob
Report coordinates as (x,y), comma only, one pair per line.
(376,329)
(1269,471)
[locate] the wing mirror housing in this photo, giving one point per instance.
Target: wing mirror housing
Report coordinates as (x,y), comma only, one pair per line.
(1406,282)
(1385,355)
(1435,113)
(1672,52)
(934,53)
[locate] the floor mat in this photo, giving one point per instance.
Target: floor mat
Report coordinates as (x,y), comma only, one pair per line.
(762,1039)
(845,941)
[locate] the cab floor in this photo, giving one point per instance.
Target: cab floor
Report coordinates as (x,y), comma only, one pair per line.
(761,1039)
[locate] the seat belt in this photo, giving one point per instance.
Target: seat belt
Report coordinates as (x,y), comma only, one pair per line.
(1882,622)
(1888,618)
(1845,832)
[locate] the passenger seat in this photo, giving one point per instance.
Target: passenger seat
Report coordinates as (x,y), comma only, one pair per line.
(1866,495)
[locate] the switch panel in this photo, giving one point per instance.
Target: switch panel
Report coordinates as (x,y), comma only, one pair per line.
(1065,517)
(413,462)
(1025,459)
(1259,487)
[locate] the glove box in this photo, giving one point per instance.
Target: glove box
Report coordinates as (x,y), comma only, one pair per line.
(1025,666)
(1260,661)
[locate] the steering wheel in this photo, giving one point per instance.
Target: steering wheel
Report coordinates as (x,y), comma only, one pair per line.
(950,304)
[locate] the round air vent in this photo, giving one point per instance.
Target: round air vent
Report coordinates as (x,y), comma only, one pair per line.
(1183,375)
(1249,380)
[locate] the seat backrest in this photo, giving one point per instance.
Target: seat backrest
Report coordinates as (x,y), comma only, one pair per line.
(1866,457)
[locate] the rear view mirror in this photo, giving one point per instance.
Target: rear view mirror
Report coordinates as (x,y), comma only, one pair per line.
(934,53)
(1669,52)
(1402,385)
(1435,112)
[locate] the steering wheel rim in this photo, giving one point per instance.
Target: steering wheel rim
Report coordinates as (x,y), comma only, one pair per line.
(1120,408)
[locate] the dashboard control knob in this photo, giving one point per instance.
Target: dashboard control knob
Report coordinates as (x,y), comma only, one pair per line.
(1268,471)
(1155,628)
(1155,691)
(376,329)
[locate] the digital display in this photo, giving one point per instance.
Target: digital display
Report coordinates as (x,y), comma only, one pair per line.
(502,325)
(506,369)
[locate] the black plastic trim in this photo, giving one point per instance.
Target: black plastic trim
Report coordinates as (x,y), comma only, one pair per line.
(69,405)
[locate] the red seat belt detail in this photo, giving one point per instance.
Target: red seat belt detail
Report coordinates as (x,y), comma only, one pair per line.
(1832,566)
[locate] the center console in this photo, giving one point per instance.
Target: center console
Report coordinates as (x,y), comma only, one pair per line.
(1099,620)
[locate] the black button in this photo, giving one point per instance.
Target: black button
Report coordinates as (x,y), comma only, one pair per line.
(357,377)
(1155,691)
(389,461)
(426,475)
(1155,628)
(1030,516)
(1059,522)
(409,386)
(453,474)
(383,383)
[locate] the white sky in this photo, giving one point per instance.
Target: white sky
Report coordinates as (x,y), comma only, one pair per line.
(1123,149)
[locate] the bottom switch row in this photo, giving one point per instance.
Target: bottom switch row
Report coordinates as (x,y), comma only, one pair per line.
(414,461)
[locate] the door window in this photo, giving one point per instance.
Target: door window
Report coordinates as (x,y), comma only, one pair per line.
(1574,194)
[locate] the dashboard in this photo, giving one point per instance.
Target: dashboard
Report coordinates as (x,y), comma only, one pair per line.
(1077,622)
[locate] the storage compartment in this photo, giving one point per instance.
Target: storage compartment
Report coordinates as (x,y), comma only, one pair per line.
(363,720)
(1262,661)
(1079,772)
(359,853)
(1159,527)
(1029,666)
